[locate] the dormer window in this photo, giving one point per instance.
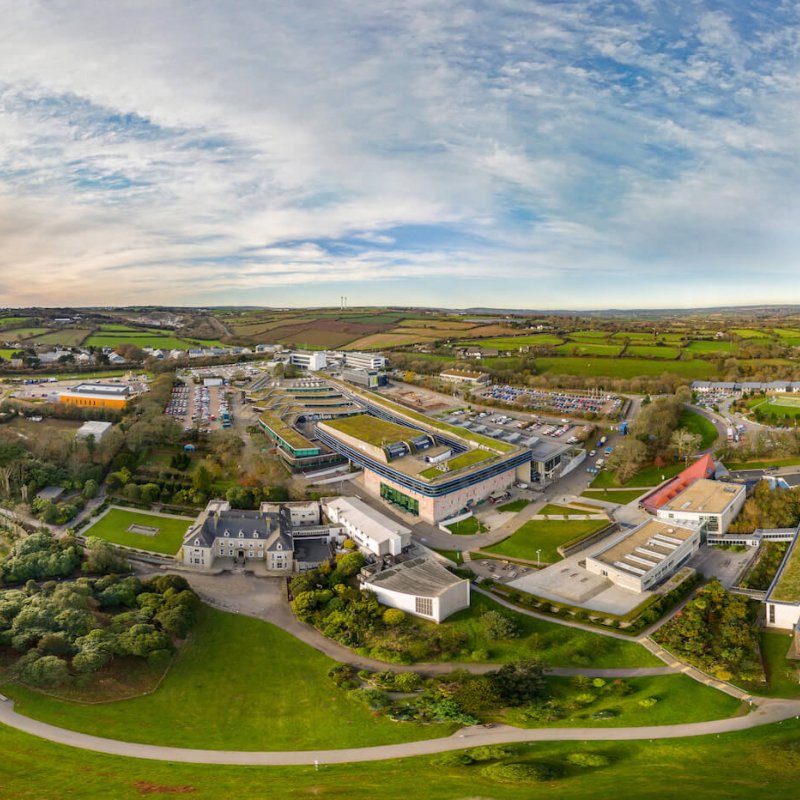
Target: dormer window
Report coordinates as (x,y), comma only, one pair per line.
(241,534)
(255,535)
(227,534)
(279,547)
(196,542)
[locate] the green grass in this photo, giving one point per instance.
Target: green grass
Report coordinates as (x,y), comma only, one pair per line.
(467,527)
(454,555)
(703,346)
(514,505)
(18,334)
(138,339)
(621,496)
(648,476)
(777,405)
(788,586)
(653,351)
(758,764)
(546,536)
(590,348)
(764,463)
(69,337)
(783,676)
(625,367)
(553,508)
(555,645)
(680,699)
(113,527)
(239,683)
(749,333)
(694,422)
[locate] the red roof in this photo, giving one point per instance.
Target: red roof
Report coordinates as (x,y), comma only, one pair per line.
(702,468)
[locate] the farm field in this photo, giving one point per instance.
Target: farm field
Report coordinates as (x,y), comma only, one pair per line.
(201,703)
(590,348)
(653,351)
(545,536)
(377,341)
(750,333)
(113,527)
(626,367)
(136,337)
(513,342)
(8,321)
(20,334)
(69,337)
(703,346)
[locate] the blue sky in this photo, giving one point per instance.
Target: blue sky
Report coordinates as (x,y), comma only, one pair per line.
(511,154)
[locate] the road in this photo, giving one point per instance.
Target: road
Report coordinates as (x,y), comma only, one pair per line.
(768,711)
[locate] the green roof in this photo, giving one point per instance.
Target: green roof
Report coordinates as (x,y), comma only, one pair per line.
(486,441)
(372,430)
(293,438)
(460,461)
(787,589)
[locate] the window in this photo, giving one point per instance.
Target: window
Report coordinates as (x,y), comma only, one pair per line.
(771,613)
(255,534)
(424,606)
(241,534)
(196,542)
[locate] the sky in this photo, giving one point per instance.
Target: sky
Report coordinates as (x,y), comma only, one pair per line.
(502,153)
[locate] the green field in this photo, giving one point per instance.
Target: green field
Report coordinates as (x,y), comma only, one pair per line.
(621,496)
(653,351)
(372,430)
(778,405)
(513,342)
(764,463)
(113,527)
(238,684)
(554,509)
(759,764)
(545,536)
(137,339)
(69,337)
(19,334)
(703,346)
(626,367)
(783,676)
(7,321)
(750,333)
(590,348)
(696,423)
(649,476)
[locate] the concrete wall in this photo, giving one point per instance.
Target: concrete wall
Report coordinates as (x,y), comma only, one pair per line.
(786,615)
(453,599)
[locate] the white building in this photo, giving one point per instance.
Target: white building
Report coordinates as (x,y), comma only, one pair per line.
(711,502)
(309,359)
(641,558)
(368,528)
(783,596)
(93,428)
(463,376)
(422,587)
(365,360)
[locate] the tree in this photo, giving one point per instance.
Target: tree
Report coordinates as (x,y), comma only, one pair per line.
(497,625)
(202,479)
(628,458)
(101,558)
(90,488)
(46,671)
(684,443)
(519,683)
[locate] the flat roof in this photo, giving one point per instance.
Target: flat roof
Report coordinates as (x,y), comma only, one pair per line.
(704,495)
(377,526)
(645,547)
(93,427)
(98,388)
(421,577)
(462,373)
(373,430)
(786,587)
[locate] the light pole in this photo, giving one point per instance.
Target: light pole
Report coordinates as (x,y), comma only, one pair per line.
(538,556)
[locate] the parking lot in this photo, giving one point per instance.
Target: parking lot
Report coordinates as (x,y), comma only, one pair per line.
(500,571)
(203,407)
(554,402)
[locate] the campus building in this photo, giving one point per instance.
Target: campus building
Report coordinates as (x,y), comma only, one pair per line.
(783,597)
(369,529)
(368,361)
(368,378)
(427,469)
(702,468)
(308,359)
(713,504)
(274,540)
(422,587)
(95,395)
(94,428)
(641,558)
(465,376)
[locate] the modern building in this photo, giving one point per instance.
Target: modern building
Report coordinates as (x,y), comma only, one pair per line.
(783,596)
(396,447)
(464,376)
(702,468)
(369,529)
(712,503)
(368,378)
(312,360)
(369,361)
(641,558)
(269,540)
(93,428)
(422,587)
(96,395)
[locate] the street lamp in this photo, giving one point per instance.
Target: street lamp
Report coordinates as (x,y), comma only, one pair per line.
(538,556)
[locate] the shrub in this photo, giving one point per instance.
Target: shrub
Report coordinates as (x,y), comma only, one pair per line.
(407,681)
(499,626)
(514,772)
(648,702)
(490,752)
(453,760)
(393,616)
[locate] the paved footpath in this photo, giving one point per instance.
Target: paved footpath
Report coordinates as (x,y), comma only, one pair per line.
(768,711)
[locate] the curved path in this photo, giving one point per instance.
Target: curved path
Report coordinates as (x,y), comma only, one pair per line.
(768,711)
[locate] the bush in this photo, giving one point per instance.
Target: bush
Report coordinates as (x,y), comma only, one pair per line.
(490,752)
(514,772)
(499,626)
(45,671)
(648,702)
(588,760)
(407,681)
(453,760)
(393,616)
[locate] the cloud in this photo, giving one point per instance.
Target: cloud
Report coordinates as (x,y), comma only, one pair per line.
(175,153)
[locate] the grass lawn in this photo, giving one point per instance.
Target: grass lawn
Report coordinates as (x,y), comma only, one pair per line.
(113,527)
(649,476)
(759,764)
(514,505)
(453,555)
(779,405)
(240,683)
(653,351)
(698,424)
(466,459)
(545,536)
(555,645)
(621,496)
(466,527)
(764,463)
(553,508)
(626,367)
(783,677)
(680,699)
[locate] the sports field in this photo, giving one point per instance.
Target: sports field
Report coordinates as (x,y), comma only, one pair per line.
(779,405)
(141,530)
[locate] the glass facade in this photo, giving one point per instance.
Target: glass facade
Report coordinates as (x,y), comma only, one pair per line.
(399,499)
